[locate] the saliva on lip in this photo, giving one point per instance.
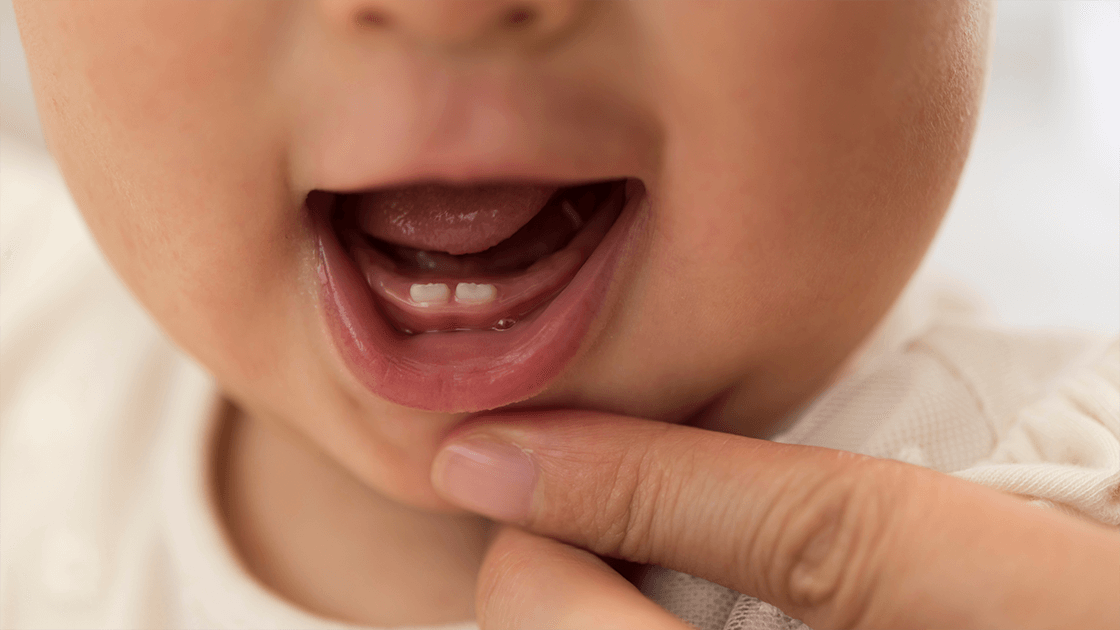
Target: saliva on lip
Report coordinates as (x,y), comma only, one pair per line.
(504,323)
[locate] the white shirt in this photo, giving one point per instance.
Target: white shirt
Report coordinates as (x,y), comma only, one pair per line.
(107,518)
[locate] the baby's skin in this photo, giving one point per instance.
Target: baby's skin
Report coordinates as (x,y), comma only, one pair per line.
(308,197)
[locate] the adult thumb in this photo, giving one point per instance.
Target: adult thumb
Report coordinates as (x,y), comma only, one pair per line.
(832,538)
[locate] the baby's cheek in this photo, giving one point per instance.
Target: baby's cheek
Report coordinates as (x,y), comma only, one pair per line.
(812,149)
(156,114)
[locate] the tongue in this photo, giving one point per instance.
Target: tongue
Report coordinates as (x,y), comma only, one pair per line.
(453,219)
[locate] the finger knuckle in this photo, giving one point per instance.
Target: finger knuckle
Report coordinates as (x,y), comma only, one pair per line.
(625,524)
(829,548)
(637,498)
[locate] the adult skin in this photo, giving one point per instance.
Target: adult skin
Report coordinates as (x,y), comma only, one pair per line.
(830,537)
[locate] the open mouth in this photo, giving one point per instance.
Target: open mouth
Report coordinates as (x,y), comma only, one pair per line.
(462,298)
(428,290)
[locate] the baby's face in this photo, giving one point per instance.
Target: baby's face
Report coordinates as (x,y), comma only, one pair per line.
(370,218)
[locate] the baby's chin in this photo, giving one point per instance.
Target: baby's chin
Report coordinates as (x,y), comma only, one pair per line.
(407,439)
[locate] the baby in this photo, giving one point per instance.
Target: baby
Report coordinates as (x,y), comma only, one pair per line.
(368,220)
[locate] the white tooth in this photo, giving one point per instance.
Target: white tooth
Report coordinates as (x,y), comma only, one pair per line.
(471,293)
(425,294)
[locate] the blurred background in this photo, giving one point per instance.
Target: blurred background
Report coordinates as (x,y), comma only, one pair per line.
(1035,225)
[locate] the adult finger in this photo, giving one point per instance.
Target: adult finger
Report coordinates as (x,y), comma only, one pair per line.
(832,538)
(527,581)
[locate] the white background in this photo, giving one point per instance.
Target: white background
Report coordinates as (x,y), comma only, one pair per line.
(1035,225)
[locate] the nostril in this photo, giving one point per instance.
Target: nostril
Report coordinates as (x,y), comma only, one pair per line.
(373,18)
(521,16)
(456,23)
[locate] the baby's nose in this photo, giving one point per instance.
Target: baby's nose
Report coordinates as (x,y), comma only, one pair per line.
(445,23)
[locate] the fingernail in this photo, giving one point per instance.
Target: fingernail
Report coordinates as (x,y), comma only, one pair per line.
(492,478)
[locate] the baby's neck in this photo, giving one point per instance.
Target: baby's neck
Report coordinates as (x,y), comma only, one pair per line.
(317,537)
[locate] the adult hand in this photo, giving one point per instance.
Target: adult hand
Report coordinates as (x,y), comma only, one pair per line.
(831,538)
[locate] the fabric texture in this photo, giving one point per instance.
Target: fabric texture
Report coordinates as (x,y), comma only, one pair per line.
(107,519)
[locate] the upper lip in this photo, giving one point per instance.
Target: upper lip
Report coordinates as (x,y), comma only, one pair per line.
(488,170)
(471,129)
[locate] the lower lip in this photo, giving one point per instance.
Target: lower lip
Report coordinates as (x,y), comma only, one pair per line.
(465,371)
